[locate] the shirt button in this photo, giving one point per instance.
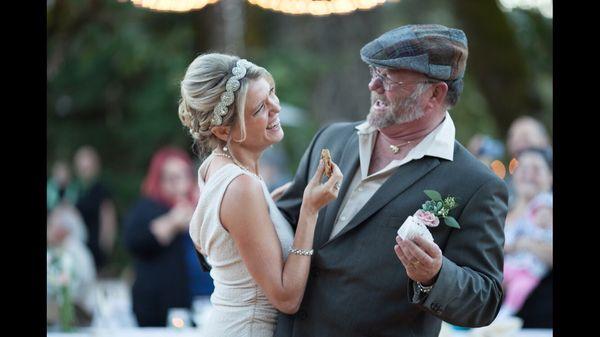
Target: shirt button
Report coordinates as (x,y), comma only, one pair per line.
(343,218)
(360,189)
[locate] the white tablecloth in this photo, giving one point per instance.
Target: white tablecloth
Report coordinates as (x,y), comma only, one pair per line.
(522,333)
(130,332)
(191,332)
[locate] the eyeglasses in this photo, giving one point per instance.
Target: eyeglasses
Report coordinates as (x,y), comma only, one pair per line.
(387,82)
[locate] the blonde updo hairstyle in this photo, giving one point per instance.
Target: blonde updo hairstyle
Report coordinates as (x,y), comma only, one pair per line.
(201,90)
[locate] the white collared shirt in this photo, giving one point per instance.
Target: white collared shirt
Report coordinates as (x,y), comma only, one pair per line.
(438,143)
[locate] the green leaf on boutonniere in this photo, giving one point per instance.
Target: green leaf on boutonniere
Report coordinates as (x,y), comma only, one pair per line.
(450,221)
(434,195)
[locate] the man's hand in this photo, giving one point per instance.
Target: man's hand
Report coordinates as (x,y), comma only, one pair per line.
(279,191)
(421,258)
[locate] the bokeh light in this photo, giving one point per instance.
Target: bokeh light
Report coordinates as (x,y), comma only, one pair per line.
(498,168)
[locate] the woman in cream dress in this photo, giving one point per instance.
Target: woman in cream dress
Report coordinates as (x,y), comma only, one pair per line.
(258,265)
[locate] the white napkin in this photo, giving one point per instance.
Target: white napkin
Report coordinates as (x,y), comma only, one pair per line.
(413,227)
(501,327)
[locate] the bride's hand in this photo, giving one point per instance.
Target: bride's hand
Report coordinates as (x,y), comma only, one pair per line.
(316,194)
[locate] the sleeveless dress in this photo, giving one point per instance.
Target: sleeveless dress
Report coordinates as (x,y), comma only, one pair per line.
(239,306)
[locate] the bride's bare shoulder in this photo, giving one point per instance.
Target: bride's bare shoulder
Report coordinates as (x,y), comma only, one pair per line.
(244,203)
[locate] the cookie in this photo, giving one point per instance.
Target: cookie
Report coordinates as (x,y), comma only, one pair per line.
(326,156)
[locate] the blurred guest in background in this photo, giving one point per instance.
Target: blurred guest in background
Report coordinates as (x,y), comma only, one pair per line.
(528,254)
(486,148)
(526,132)
(532,176)
(156,233)
(528,246)
(70,262)
(60,187)
(95,205)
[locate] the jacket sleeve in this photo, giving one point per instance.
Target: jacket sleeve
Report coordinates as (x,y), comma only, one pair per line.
(138,239)
(468,290)
(290,202)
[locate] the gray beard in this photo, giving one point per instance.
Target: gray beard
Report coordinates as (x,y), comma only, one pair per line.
(398,112)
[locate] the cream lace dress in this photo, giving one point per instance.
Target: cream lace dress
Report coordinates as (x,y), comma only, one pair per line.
(239,306)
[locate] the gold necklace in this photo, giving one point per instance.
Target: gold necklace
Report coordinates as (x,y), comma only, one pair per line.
(237,164)
(396,148)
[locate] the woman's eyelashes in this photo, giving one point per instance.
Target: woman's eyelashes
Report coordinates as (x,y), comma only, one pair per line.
(259,109)
(262,105)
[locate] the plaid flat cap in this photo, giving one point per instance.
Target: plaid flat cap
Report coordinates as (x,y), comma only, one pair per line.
(434,50)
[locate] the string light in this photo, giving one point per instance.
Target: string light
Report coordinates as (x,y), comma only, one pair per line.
(316,7)
(173,5)
(295,7)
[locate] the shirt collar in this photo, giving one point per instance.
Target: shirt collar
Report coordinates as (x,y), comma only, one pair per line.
(438,143)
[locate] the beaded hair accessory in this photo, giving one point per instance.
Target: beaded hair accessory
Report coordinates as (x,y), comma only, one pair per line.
(232,85)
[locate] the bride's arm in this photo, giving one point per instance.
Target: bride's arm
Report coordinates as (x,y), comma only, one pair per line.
(245,214)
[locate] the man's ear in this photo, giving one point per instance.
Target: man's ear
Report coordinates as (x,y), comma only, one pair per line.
(438,96)
(221,132)
(440,91)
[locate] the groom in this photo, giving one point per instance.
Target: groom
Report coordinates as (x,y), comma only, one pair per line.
(366,281)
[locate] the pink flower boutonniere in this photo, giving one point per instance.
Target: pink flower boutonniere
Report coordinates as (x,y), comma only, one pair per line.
(439,208)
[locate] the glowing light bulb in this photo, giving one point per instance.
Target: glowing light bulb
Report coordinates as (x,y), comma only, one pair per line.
(177,322)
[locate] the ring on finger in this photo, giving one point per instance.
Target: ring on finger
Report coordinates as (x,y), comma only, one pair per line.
(337,185)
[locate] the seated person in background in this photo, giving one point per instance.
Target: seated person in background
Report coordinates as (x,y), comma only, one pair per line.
(69,261)
(528,245)
(528,254)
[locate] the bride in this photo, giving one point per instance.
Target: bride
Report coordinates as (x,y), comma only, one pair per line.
(258,265)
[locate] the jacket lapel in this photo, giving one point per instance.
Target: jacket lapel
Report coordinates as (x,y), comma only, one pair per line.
(347,164)
(402,179)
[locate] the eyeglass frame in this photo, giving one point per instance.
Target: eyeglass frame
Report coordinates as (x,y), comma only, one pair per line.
(386,82)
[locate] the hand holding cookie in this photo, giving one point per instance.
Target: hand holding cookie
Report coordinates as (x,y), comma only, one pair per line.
(326,156)
(317,194)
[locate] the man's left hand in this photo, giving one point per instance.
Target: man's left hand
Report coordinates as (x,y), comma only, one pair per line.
(421,258)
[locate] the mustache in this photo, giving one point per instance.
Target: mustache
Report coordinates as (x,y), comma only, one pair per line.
(375,96)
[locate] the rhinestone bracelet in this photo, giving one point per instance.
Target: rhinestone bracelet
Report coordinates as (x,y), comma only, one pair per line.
(301,252)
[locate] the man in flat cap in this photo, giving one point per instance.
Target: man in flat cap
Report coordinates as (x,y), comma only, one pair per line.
(365,280)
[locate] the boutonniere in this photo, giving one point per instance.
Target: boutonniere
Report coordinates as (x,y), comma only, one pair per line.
(438,208)
(429,216)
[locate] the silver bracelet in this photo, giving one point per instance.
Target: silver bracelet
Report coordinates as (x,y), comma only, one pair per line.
(301,252)
(424,289)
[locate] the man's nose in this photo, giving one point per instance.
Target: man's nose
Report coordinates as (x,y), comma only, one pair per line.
(376,85)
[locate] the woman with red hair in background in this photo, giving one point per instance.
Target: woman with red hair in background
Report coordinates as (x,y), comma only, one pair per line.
(156,235)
